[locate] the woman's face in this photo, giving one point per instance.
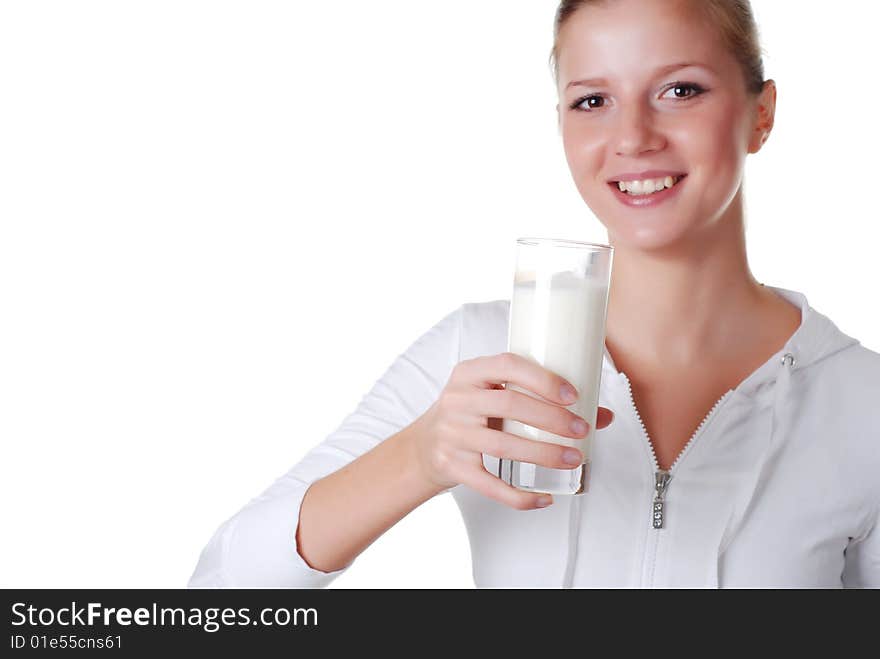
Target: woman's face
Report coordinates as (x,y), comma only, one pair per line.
(649,92)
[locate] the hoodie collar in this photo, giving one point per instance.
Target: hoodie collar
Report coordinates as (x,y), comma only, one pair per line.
(816,338)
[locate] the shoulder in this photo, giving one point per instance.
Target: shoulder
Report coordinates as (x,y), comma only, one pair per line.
(852,374)
(844,400)
(834,417)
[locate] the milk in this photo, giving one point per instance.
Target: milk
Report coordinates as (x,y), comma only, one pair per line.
(558,321)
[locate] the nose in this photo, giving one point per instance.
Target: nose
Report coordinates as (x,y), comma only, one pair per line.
(636,132)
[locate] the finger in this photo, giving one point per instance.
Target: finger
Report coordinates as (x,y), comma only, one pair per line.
(494,488)
(513,447)
(510,404)
(604,418)
(509,367)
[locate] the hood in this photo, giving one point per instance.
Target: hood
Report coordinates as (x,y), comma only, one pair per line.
(816,339)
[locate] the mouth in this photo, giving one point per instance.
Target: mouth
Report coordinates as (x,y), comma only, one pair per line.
(646,192)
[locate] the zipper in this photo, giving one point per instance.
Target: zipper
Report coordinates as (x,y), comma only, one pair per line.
(661,482)
(662,477)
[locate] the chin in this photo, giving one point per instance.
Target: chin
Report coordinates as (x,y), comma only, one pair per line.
(645,231)
(648,239)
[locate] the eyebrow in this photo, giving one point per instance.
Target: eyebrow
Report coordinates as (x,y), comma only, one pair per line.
(663,70)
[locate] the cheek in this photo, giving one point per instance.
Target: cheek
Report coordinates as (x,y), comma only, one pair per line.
(580,140)
(583,148)
(586,151)
(715,145)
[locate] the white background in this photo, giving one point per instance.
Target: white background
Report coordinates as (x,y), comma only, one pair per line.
(221,221)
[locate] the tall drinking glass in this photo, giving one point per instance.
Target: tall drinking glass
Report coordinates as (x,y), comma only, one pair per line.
(557,318)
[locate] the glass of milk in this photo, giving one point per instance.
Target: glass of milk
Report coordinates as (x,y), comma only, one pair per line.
(557,318)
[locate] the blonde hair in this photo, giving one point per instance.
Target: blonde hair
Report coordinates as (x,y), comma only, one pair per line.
(733,18)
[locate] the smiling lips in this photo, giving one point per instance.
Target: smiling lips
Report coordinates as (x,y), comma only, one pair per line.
(646,188)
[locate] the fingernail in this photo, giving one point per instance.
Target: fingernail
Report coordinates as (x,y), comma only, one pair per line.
(578,427)
(571,456)
(568,393)
(543,502)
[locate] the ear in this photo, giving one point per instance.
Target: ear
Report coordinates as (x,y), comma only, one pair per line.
(765,113)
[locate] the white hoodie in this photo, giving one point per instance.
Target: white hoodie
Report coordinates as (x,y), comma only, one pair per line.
(778,487)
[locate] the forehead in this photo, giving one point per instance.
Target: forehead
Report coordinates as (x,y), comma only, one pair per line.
(628,39)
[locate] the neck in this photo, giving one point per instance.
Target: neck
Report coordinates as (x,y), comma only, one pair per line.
(676,306)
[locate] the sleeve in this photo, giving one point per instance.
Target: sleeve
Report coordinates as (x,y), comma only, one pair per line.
(862,566)
(257,546)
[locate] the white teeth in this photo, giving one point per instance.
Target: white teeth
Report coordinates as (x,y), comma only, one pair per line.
(648,186)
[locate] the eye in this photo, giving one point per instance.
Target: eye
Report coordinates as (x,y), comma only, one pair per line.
(682,91)
(592,101)
(685,90)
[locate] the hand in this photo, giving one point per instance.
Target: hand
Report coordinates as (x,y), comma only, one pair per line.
(465,422)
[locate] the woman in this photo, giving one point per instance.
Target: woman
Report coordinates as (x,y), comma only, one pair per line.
(748,412)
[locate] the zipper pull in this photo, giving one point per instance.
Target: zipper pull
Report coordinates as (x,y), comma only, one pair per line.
(661,482)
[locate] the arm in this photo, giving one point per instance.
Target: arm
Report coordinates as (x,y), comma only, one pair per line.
(345,512)
(259,545)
